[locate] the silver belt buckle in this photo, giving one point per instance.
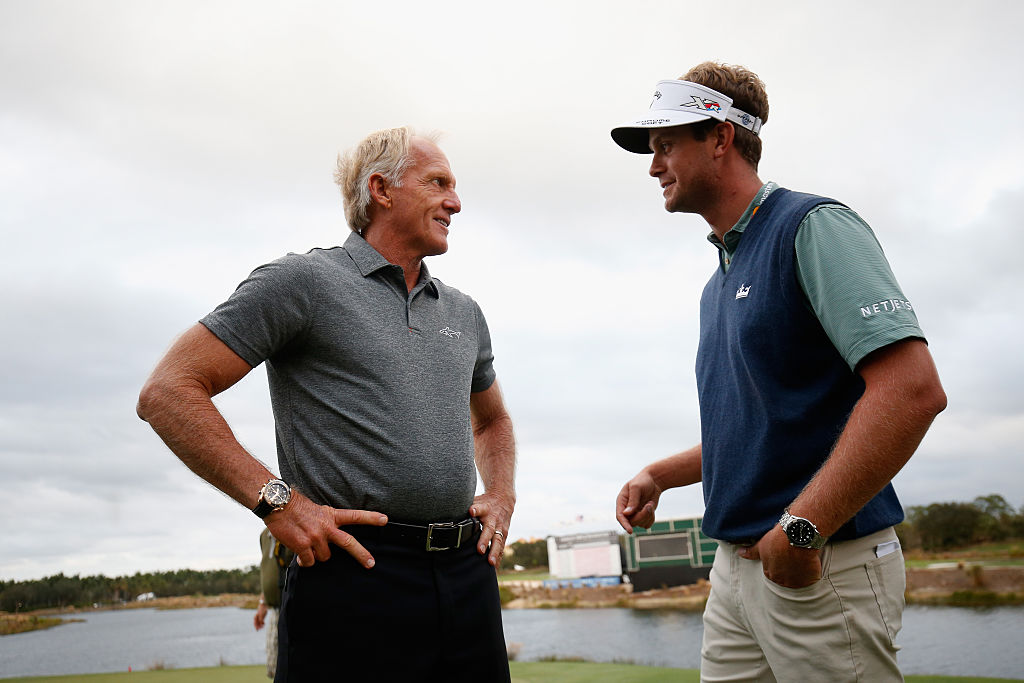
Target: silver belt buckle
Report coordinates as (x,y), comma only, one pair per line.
(442,525)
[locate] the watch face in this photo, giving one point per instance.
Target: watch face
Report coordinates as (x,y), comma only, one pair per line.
(277,493)
(800,532)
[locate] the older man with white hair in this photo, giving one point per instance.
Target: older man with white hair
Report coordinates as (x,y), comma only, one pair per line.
(386,408)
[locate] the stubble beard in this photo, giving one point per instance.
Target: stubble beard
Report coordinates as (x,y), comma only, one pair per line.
(699,194)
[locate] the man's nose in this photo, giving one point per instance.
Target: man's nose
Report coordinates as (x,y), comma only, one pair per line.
(657,168)
(453,203)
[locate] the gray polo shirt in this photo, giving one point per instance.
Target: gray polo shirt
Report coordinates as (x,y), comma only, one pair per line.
(370,384)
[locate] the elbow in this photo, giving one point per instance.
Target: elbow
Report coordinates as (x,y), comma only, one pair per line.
(937,401)
(144,406)
(907,371)
(929,398)
(150,399)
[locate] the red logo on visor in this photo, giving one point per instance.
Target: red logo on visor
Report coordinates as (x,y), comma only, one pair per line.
(703,103)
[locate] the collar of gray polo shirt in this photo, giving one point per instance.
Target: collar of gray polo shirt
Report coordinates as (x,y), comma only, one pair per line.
(368,260)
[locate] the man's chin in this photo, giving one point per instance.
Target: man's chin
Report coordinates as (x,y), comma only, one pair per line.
(677,207)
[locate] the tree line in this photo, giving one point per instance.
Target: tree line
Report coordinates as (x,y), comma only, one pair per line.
(935,527)
(945,526)
(527,554)
(62,591)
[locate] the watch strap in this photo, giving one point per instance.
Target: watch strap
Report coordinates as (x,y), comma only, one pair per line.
(818,543)
(263,508)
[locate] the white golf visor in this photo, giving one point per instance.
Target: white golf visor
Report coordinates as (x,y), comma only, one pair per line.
(677,103)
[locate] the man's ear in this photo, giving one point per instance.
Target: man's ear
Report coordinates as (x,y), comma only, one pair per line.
(723,135)
(380,190)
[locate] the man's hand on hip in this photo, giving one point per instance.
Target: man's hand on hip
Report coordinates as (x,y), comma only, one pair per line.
(494,510)
(308,530)
(782,563)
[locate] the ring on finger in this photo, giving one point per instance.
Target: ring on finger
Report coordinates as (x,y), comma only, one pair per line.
(498,533)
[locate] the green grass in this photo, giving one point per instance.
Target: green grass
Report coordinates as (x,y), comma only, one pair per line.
(1009,553)
(975,598)
(924,563)
(522,672)
(524,576)
(588,672)
(217,674)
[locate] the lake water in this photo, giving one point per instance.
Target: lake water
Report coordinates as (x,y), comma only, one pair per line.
(935,640)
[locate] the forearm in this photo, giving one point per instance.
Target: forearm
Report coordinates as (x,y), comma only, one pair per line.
(872,449)
(177,402)
(638,499)
(901,399)
(186,419)
(495,450)
(681,469)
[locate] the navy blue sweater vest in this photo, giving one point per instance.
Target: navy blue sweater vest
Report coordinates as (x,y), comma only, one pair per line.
(774,392)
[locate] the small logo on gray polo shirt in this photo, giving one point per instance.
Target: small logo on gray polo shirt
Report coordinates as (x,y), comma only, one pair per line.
(743,292)
(449,332)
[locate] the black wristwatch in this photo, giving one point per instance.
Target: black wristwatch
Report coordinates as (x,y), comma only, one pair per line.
(274,495)
(801,532)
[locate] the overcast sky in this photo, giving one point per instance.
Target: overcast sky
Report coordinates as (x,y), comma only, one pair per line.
(152,154)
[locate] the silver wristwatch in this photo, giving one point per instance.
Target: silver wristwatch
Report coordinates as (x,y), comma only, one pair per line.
(274,495)
(801,532)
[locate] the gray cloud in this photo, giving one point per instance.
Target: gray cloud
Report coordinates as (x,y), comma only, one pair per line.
(154,154)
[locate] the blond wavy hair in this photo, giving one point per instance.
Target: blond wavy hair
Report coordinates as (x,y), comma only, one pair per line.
(385,152)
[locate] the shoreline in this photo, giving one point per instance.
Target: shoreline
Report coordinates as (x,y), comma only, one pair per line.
(964,585)
(40,619)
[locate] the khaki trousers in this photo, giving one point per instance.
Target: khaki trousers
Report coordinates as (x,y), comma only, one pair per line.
(838,629)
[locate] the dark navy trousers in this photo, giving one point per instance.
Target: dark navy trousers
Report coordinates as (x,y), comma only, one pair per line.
(416,616)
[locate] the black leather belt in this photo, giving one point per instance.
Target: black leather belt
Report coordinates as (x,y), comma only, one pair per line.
(428,537)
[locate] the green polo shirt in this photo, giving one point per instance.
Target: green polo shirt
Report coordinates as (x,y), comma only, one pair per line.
(845,276)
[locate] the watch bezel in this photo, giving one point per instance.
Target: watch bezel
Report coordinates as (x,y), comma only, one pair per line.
(277,493)
(273,496)
(801,532)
